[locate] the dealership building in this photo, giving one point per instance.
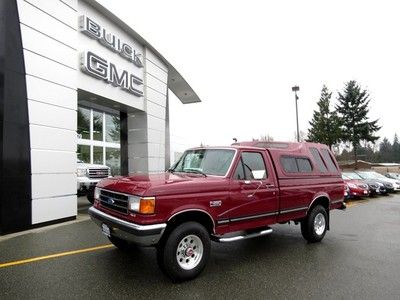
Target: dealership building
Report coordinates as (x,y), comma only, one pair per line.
(75,83)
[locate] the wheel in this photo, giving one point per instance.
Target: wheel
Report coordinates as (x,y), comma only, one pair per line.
(90,195)
(185,252)
(313,228)
(121,244)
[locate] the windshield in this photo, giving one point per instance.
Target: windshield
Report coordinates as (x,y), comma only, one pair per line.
(345,177)
(352,175)
(377,175)
(368,175)
(205,161)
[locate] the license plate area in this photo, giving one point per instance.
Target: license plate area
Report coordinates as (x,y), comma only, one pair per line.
(106,230)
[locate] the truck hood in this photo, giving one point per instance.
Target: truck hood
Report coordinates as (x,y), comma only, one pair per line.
(160,184)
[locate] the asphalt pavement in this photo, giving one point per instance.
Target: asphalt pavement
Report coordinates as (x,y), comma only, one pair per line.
(359,258)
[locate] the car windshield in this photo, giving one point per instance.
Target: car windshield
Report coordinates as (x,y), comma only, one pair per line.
(377,175)
(352,175)
(205,161)
(371,175)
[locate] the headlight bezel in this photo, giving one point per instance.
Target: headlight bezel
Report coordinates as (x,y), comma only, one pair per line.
(142,205)
(81,172)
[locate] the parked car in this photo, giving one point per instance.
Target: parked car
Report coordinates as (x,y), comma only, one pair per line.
(357,188)
(393,175)
(223,194)
(88,175)
(374,186)
(346,192)
(391,185)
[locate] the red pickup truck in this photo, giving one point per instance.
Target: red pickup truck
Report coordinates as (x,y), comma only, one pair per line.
(220,194)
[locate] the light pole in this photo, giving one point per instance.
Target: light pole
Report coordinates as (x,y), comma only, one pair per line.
(295,89)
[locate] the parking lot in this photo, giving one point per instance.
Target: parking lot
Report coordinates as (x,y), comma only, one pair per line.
(359,258)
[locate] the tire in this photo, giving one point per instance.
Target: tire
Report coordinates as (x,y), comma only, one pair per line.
(314,226)
(90,195)
(185,251)
(121,244)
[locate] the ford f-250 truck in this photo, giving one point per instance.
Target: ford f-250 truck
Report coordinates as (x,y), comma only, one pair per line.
(220,194)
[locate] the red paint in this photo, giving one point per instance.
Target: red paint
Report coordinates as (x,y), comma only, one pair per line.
(273,196)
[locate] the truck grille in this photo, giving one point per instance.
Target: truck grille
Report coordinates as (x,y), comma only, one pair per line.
(98,173)
(114,201)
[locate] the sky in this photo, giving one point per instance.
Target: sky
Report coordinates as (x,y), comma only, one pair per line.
(243,57)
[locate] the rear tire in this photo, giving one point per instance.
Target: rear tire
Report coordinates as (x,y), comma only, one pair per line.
(185,252)
(314,226)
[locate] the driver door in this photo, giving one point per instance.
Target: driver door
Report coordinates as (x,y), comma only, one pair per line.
(253,192)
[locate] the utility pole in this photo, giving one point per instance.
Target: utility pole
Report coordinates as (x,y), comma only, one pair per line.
(295,89)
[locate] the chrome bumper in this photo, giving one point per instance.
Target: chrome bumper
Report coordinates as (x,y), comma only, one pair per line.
(143,235)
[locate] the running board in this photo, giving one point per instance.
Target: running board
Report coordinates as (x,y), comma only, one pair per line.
(245,236)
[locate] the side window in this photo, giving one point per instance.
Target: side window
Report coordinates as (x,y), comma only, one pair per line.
(296,164)
(250,167)
(328,159)
(239,173)
(318,160)
(304,165)
(289,164)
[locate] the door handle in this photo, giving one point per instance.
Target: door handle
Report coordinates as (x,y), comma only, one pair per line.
(269,185)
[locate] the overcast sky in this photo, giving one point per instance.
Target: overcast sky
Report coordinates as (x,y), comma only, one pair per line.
(243,57)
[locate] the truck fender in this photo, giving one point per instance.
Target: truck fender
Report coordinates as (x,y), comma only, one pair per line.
(323,199)
(189,210)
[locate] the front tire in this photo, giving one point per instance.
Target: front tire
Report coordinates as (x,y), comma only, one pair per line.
(314,226)
(185,252)
(90,195)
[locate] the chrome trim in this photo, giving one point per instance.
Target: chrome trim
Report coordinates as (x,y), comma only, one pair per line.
(244,237)
(134,226)
(119,193)
(286,211)
(253,217)
(193,209)
(221,222)
(326,196)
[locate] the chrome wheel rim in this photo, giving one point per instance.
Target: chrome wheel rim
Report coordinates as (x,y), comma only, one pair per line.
(189,252)
(319,224)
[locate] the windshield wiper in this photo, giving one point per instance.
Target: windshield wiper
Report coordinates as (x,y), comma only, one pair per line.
(195,171)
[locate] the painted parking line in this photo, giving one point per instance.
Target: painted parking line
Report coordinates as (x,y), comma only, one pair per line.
(56,255)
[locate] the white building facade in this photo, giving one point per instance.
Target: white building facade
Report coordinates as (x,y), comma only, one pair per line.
(77,83)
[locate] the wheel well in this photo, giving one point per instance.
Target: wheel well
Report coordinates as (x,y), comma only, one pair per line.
(194,216)
(324,201)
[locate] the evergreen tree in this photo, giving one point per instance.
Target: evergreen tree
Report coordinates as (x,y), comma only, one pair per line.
(325,125)
(385,151)
(396,149)
(355,124)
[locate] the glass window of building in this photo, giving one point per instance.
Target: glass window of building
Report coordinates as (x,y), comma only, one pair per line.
(83,123)
(98,155)
(112,128)
(113,160)
(84,153)
(99,138)
(97,126)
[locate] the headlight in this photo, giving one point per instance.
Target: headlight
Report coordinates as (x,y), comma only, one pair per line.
(145,205)
(96,193)
(109,172)
(352,185)
(81,172)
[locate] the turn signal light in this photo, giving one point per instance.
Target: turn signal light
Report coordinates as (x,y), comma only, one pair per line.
(147,205)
